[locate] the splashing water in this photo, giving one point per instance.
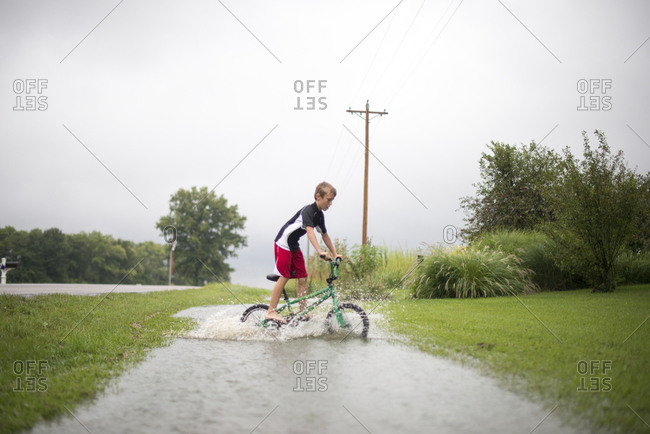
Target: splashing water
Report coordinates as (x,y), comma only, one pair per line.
(225,324)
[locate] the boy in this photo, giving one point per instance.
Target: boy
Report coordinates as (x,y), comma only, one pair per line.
(289,262)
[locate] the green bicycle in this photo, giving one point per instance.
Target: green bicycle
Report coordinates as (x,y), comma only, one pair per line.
(343,316)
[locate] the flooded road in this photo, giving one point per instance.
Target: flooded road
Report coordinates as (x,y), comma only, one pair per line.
(227,377)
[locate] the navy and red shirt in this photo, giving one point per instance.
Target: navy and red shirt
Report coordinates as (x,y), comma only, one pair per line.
(295,228)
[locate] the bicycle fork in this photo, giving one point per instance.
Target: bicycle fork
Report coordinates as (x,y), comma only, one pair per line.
(337,312)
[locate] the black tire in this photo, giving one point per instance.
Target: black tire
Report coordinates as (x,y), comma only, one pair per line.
(358,323)
(256,313)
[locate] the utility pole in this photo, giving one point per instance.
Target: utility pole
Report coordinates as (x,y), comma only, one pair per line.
(364,232)
(171,261)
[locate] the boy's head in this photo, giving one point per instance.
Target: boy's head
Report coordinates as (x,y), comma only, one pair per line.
(324,195)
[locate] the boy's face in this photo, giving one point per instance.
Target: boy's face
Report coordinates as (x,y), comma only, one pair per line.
(324,203)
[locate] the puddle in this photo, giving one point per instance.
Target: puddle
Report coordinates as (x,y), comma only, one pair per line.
(223,377)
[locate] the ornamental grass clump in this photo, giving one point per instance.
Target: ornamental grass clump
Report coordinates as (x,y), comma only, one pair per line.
(466,272)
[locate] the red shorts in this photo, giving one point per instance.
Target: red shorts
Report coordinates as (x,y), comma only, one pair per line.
(289,264)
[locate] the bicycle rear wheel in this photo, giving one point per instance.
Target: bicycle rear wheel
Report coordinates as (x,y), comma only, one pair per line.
(356,320)
(256,314)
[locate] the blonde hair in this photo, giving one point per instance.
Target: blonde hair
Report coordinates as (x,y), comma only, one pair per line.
(324,188)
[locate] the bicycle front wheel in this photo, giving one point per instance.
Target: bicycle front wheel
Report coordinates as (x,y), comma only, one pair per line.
(355,319)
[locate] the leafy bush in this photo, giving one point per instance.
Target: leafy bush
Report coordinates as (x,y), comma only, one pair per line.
(533,248)
(467,272)
(598,211)
(634,267)
(367,272)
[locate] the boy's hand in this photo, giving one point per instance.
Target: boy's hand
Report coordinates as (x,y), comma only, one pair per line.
(324,255)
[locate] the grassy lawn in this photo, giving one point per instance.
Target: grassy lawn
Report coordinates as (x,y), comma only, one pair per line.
(586,353)
(59,350)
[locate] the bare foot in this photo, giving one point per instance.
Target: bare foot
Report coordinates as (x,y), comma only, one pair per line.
(276,317)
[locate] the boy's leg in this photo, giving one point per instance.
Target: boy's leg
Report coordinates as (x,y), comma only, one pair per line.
(302,290)
(283,268)
(275,297)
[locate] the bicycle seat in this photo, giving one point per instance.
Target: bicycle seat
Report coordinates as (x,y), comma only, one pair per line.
(272,277)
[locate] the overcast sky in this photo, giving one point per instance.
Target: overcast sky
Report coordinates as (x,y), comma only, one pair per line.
(145,97)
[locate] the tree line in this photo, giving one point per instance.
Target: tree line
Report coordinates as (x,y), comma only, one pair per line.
(51,256)
(206,231)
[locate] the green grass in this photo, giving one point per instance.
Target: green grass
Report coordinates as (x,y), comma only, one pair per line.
(533,344)
(79,354)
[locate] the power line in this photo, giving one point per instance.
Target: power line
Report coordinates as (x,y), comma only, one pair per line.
(399,88)
(381,43)
(390,62)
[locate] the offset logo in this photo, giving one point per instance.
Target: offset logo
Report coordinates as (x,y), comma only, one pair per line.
(593,94)
(169,234)
(449,234)
(30,375)
(594,375)
(310,375)
(30,94)
(308,91)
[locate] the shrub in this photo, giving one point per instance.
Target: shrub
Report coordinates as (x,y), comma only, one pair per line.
(367,272)
(467,272)
(394,265)
(533,248)
(634,268)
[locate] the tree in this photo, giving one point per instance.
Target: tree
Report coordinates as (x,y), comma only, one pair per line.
(207,234)
(641,242)
(599,206)
(153,268)
(55,251)
(511,193)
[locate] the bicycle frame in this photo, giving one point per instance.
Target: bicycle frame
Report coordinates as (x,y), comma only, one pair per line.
(325,293)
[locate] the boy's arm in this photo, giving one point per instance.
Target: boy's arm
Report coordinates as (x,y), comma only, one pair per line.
(328,242)
(314,241)
(326,239)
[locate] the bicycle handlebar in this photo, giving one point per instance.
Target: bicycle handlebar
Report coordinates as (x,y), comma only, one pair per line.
(337,260)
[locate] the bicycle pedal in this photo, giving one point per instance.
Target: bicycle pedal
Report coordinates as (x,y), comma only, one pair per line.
(276,322)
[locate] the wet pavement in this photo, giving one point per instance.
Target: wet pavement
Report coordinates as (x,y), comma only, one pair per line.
(225,376)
